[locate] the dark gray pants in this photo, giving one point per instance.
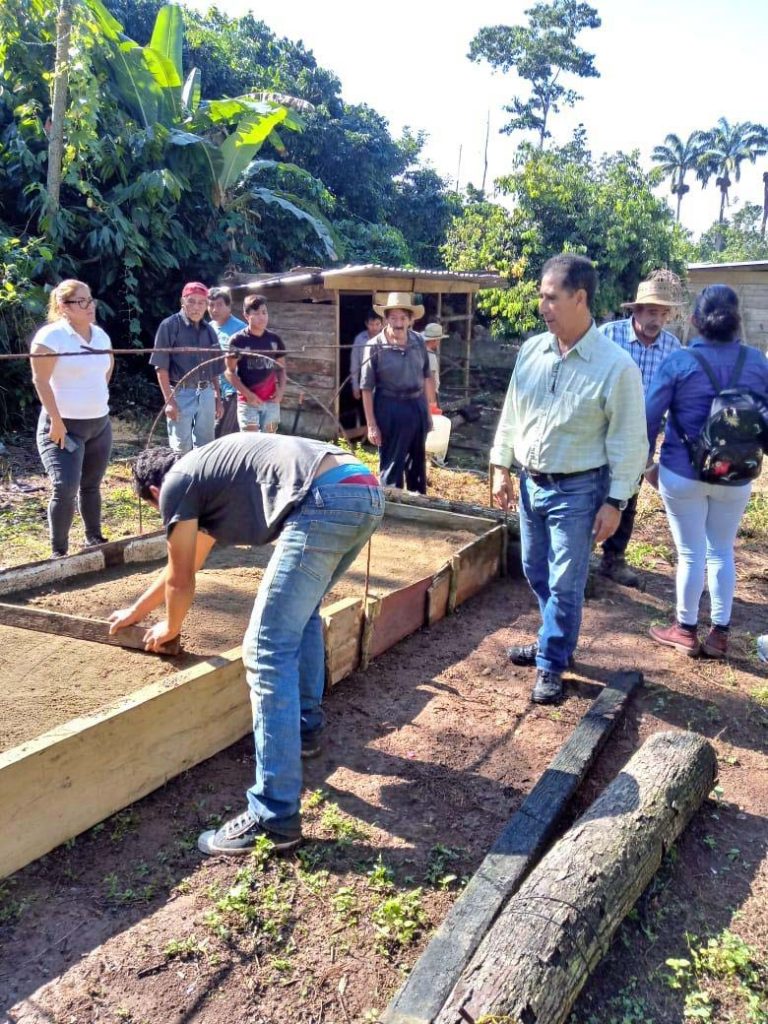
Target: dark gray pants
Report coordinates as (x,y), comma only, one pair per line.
(75,476)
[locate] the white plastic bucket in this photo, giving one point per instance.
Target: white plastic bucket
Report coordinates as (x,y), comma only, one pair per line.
(439,436)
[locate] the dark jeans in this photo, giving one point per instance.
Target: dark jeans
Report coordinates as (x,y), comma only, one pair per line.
(616,546)
(403,424)
(228,422)
(75,476)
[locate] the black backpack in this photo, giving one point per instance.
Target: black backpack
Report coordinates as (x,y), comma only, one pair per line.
(729,448)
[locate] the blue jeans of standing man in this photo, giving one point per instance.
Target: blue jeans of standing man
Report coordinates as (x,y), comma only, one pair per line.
(556,521)
(283,648)
(195,424)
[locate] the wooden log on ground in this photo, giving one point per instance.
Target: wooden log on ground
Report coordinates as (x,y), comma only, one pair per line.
(539,953)
(96,630)
(511,858)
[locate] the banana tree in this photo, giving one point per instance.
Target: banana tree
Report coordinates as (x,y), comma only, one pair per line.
(223,136)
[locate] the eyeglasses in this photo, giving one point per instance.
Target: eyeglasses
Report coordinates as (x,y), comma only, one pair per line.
(82,303)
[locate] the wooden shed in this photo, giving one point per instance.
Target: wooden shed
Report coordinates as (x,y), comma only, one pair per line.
(750,282)
(318,312)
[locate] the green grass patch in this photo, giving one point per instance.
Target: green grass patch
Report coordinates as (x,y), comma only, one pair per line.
(754,522)
(398,920)
(344,829)
(643,555)
(726,966)
(24,521)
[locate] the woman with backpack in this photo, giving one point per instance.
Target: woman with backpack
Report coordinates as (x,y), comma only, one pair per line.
(714,392)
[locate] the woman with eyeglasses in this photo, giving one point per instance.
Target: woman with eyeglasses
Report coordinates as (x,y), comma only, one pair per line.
(74,435)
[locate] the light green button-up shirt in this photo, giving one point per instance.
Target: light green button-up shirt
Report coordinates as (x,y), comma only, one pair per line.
(583,410)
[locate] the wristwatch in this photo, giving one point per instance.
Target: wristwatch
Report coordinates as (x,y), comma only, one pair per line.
(618,503)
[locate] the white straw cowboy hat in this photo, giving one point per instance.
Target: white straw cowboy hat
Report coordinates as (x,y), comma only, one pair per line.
(400,300)
(433,332)
(655,292)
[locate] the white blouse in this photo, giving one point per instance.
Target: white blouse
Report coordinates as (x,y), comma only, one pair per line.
(79,385)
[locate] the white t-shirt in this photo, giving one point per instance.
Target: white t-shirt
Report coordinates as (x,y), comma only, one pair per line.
(434,367)
(79,385)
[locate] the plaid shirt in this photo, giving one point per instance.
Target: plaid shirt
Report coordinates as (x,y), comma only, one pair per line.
(648,357)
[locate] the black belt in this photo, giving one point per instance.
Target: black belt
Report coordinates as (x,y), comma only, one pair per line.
(201,385)
(553,478)
(399,395)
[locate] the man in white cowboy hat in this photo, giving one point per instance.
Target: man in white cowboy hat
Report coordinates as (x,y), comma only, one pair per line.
(397,389)
(433,335)
(643,337)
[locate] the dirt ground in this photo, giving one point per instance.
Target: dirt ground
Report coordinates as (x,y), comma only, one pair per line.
(48,680)
(427,755)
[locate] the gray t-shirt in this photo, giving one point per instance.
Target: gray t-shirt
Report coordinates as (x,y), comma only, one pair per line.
(176,331)
(394,368)
(241,487)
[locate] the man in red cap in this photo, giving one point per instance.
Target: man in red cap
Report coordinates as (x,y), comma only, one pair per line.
(189,380)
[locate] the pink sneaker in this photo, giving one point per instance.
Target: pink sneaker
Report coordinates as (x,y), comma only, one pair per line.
(675,636)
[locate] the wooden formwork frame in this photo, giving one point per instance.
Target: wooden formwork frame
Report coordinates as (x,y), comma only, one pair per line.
(72,777)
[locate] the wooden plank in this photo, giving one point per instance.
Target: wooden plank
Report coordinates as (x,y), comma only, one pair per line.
(146,548)
(428,516)
(437,595)
(343,633)
(399,614)
(478,563)
(400,283)
(96,630)
(304,312)
(541,950)
(62,783)
(511,858)
(315,364)
(398,497)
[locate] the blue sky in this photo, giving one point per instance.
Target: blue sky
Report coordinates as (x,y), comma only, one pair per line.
(665,67)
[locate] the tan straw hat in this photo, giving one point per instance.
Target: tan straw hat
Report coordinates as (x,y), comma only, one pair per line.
(655,292)
(433,332)
(400,300)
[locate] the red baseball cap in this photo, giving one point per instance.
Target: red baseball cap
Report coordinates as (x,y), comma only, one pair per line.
(194,288)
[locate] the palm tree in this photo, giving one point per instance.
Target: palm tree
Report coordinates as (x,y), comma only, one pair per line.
(677,158)
(724,150)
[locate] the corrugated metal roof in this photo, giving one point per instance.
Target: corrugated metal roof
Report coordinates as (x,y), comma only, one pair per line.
(304,275)
(746,265)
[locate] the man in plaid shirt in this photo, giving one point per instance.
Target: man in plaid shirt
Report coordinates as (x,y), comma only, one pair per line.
(643,337)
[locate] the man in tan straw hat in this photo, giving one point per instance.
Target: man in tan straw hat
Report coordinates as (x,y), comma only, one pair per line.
(433,334)
(397,389)
(642,335)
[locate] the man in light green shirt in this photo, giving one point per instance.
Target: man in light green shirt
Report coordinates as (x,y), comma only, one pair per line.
(573,424)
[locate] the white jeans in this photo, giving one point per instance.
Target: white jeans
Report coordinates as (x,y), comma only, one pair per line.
(704,519)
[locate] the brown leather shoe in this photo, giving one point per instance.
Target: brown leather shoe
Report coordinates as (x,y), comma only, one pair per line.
(675,636)
(716,644)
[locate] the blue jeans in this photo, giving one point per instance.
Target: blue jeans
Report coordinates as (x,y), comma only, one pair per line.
(283,647)
(196,421)
(556,521)
(264,417)
(703,519)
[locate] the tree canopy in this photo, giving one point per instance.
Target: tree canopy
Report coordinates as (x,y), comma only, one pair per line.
(540,52)
(562,200)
